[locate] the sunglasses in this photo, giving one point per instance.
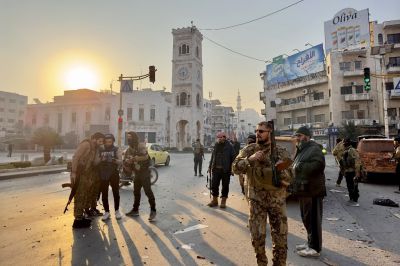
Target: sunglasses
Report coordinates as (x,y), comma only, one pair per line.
(262,131)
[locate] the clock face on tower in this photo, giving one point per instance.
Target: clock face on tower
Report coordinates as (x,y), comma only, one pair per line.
(183,73)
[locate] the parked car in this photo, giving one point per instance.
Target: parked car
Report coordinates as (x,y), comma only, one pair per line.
(158,154)
(376,156)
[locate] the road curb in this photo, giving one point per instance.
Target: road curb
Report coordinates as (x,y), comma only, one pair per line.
(11,175)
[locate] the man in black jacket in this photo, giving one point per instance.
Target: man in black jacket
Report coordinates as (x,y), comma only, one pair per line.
(309,186)
(221,169)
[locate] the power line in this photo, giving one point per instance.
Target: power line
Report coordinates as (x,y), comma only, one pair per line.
(233,51)
(250,21)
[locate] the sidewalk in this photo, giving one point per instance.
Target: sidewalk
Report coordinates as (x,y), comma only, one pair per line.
(31,171)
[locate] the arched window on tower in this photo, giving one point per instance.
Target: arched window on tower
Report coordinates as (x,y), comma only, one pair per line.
(198,102)
(183,98)
(189,100)
(183,49)
(197,52)
(177,100)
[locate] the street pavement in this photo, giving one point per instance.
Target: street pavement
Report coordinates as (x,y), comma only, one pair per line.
(34,231)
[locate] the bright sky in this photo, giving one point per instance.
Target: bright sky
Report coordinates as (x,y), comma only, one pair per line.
(46,45)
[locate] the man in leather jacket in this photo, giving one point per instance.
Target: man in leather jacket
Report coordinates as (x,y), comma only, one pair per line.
(309,186)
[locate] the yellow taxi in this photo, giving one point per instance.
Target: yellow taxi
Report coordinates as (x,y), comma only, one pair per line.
(158,154)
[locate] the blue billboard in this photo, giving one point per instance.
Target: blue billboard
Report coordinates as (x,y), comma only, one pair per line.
(295,66)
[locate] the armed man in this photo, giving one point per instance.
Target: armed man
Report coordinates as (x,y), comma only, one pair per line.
(338,153)
(351,168)
(81,177)
(267,170)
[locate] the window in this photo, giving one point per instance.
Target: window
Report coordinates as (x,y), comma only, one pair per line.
(318,96)
(319,118)
(107,114)
(11,120)
(198,100)
(197,52)
(347,115)
(46,119)
(393,38)
(354,107)
(153,113)
(392,113)
(141,112)
(287,121)
(357,65)
(359,88)
(301,98)
(177,100)
(59,123)
(301,119)
(344,66)
(183,98)
(129,114)
(21,113)
(380,39)
(21,102)
(11,110)
(345,90)
(73,118)
(361,114)
(88,117)
(184,49)
(389,86)
(189,100)
(12,101)
(394,61)
(272,103)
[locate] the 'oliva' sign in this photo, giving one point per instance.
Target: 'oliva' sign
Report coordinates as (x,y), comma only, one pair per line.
(344,16)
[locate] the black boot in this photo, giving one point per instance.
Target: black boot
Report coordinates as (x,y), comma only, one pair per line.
(81,223)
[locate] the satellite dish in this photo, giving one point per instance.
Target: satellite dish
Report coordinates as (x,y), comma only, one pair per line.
(278,100)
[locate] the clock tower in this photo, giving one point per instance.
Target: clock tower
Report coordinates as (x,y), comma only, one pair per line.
(187,87)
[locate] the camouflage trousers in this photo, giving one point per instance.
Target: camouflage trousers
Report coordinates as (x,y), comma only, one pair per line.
(272,205)
(81,198)
(94,191)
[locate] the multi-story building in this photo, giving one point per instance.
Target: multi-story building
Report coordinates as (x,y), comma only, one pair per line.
(12,112)
(327,99)
(79,113)
(74,115)
(207,124)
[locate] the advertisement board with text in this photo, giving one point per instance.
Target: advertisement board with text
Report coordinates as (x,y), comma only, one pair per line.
(295,66)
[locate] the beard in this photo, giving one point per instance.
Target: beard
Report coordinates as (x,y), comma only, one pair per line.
(260,141)
(132,143)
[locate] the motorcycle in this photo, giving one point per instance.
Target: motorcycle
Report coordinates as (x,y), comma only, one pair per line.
(126,178)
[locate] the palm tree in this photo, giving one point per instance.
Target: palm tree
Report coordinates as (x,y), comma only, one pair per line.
(349,130)
(47,138)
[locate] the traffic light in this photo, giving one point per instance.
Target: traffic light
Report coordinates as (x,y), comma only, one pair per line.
(119,122)
(367,79)
(152,73)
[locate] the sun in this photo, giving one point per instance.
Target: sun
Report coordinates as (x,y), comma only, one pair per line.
(79,77)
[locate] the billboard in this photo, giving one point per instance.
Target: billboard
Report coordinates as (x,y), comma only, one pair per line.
(348,28)
(295,66)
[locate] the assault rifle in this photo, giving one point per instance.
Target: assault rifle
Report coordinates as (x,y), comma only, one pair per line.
(274,157)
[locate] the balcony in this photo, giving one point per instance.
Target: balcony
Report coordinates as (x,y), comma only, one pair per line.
(305,82)
(357,97)
(394,94)
(392,68)
(353,73)
(302,105)
(360,122)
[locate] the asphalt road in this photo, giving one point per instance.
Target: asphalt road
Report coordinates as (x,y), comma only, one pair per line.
(34,231)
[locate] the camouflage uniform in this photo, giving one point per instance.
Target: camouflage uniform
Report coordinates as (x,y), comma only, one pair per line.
(351,168)
(396,156)
(265,201)
(94,190)
(82,165)
(338,153)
